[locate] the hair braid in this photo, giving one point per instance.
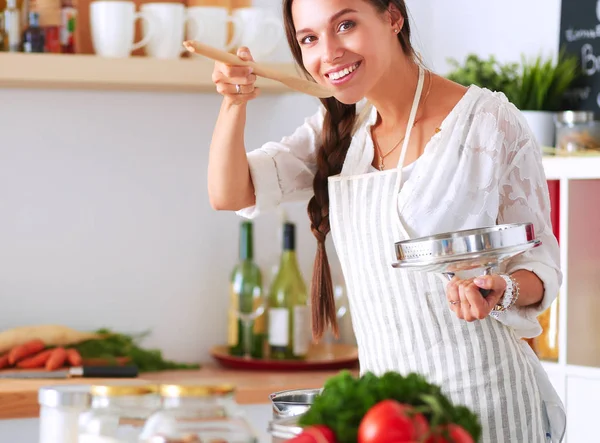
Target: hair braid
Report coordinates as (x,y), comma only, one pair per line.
(337,135)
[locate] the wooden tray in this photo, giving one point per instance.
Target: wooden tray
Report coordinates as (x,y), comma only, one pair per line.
(320,357)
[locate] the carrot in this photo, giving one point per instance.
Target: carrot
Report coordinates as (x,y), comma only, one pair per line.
(37,361)
(4,361)
(73,357)
(25,350)
(57,359)
(51,335)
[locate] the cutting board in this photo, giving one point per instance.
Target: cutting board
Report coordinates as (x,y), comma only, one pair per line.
(18,398)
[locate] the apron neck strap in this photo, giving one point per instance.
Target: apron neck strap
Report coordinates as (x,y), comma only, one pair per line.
(411,122)
(412,116)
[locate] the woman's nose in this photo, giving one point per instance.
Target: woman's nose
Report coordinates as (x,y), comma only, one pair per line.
(333,50)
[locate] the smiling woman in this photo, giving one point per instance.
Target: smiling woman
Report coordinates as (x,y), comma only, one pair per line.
(399,153)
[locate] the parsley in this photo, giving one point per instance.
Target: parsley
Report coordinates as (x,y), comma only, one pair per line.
(345,400)
(121,345)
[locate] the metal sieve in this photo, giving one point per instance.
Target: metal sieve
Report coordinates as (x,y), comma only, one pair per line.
(482,248)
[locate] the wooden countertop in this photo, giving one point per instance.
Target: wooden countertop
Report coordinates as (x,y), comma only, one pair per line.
(18,398)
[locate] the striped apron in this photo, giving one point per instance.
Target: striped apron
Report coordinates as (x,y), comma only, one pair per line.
(402,321)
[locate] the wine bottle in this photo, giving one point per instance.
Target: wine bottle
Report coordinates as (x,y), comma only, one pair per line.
(288,305)
(247,322)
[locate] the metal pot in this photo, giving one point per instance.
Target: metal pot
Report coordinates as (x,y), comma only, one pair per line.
(293,402)
(287,407)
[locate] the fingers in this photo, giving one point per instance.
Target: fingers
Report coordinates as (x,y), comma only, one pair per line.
(466,301)
(236,82)
(453,296)
(234,89)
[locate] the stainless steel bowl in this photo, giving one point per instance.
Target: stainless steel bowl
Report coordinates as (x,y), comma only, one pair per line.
(292,403)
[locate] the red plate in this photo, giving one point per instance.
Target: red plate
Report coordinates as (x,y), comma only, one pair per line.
(320,357)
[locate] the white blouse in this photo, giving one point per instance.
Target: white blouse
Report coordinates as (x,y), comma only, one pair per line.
(484,167)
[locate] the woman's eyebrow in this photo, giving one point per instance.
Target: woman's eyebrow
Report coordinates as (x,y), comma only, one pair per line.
(333,18)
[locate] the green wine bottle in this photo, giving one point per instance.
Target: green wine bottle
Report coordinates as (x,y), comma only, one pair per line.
(289,337)
(247,323)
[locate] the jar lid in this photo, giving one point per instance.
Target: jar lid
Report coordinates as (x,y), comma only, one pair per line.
(574,117)
(194,390)
(65,395)
(123,389)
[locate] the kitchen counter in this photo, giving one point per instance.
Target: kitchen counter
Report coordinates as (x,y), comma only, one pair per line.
(18,398)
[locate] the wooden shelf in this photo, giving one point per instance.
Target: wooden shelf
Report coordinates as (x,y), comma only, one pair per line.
(64,71)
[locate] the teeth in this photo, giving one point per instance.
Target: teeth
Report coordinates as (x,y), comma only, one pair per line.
(343,72)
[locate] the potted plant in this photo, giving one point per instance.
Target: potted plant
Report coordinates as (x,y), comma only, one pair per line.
(537,87)
(486,73)
(540,92)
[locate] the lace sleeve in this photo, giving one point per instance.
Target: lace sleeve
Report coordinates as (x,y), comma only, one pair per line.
(283,171)
(524,198)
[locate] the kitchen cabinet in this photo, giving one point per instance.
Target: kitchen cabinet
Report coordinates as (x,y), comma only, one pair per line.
(68,71)
(576,374)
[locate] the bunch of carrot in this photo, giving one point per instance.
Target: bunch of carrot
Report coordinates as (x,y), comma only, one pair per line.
(35,355)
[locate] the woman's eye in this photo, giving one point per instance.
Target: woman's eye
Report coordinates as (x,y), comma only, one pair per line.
(307,40)
(346,25)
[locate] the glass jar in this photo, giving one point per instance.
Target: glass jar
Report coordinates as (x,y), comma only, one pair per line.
(197,413)
(577,131)
(118,412)
(546,344)
(60,408)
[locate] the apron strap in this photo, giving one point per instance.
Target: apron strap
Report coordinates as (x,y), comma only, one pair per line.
(411,121)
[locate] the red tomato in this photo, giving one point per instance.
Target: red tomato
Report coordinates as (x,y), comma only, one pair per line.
(315,434)
(456,434)
(391,422)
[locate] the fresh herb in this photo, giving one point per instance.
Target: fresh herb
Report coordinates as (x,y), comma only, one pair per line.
(115,345)
(345,400)
(486,73)
(537,84)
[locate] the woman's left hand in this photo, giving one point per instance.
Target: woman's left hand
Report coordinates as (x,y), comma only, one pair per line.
(467,302)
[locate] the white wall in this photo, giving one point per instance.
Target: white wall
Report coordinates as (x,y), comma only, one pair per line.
(104,217)
(505,29)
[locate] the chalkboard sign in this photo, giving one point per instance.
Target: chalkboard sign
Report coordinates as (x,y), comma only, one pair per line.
(580,35)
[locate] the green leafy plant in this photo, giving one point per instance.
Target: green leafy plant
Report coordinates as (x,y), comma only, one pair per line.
(486,73)
(543,82)
(537,84)
(345,400)
(115,345)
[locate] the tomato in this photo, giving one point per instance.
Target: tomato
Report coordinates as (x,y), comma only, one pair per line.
(451,433)
(391,422)
(315,434)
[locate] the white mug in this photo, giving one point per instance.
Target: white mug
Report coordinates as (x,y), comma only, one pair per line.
(209,25)
(261,32)
(113,30)
(169,29)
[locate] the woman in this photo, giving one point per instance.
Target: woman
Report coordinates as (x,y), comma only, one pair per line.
(421,155)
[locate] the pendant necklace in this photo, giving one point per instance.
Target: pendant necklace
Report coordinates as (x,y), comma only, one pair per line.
(383,156)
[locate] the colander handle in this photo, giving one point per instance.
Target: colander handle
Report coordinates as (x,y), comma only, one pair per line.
(485,292)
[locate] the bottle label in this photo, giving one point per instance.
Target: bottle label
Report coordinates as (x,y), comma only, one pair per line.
(279,334)
(301,330)
(233,329)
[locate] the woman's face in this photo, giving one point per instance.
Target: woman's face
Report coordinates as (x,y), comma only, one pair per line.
(346,44)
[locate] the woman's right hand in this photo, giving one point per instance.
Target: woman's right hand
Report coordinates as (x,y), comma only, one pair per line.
(236,82)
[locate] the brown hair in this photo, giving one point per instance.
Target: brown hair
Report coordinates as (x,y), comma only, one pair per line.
(336,138)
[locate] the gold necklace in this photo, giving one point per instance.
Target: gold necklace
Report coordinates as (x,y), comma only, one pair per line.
(383,156)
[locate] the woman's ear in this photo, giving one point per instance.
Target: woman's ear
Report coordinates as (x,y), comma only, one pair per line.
(396,18)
